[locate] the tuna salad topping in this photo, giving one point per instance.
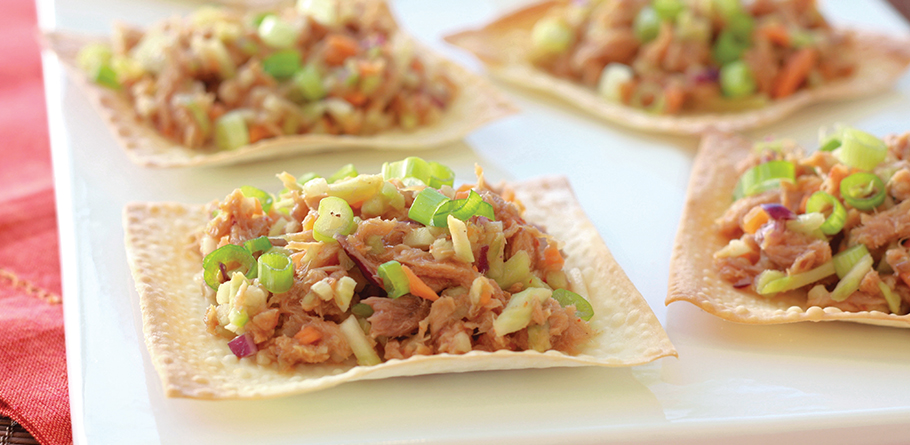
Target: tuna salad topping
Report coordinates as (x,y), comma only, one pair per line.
(673,56)
(834,223)
(222,79)
(366,268)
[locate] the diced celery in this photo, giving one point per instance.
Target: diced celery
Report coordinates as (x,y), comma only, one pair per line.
(344,292)
(322,11)
(517,313)
(516,269)
(736,80)
(277,33)
(231,131)
(460,241)
(612,79)
(894,301)
(539,337)
(851,281)
(551,35)
(309,82)
(359,343)
(772,281)
(646,25)
(355,190)
(845,261)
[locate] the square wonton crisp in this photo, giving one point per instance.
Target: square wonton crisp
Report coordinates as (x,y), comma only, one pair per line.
(694,278)
(477,103)
(504,46)
(193,363)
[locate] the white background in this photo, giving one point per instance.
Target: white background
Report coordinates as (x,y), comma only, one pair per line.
(831,383)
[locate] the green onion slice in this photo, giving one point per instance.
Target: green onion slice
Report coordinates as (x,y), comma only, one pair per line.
(852,278)
(582,308)
(276,33)
(309,82)
(864,191)
(736,80)
(413,168)
(394,280)
(335,218)
(728,48)
(362,310)
(646,25)
(763,177)
(861,150)
(462,209)
(668,9)
(303,179)
(844,261)
(276,272)
(282,64)
(824,203)
(265,199)
(231,131)
(772,281)
(346,171)
(894,301)
(224,260)
(258,245)
(425,205)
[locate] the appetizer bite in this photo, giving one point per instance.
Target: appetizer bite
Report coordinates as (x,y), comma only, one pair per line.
(225,85)
(771,234)
(363,276)
(681,66)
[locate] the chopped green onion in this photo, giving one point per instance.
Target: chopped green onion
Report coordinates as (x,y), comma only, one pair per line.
(393,278)
(852,279)
(612,79)
(413,168)
(95,60)
(736,79)
(276,272)
(257,20)
(265,199)
(346,171)
(763,177)
(335,218)
(462,209)
(668,9)
(728,48)
(258,245)
(282,64)
(824,203)
(844,261)
(728,8)
(741,25)
(303,179)
(309,82)
(861,150)
(231,131)
(425,204)
(107,77)
(276,32)
(646,25)
(830,144)
(773,281)
(516,269)
(224,260)
(566,297)
(551,35)
(864,191)
(362,310)
(894,301)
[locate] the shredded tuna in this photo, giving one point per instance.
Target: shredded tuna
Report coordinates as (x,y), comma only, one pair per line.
(880,229)
(398,317)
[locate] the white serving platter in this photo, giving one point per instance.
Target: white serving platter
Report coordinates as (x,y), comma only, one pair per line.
(819,383)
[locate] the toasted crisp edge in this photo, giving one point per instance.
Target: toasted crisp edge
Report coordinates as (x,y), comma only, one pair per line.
(193,363)
(693,277)
(477,103)
(502,44)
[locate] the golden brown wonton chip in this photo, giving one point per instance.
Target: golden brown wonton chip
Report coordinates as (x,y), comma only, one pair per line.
(477,102)
(504,44)
(193,363)
(693,277)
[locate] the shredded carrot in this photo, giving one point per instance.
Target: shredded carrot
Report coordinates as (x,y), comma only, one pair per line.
(674,97)
(308,221)
(308,335)
(486,292)
(369,68)
(552,259)
(794,72)
(355,98)
(776,33)
(753,220)
(258,132)
(464,188)
(418,287)
(339,47)
(462,194)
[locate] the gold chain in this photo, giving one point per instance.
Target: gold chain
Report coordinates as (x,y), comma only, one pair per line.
(29,288)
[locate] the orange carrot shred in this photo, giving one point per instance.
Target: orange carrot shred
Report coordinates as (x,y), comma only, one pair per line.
(553,260)
(339,47)
(794,72)
(753,220)
(258,132)
(776,33)
(308,335)
(418,287)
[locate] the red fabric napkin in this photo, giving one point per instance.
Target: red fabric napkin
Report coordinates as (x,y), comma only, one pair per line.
(33,386)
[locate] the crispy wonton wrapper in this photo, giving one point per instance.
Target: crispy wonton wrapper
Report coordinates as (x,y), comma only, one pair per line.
(477,103)
(193,363)
(504,44)
(693,277)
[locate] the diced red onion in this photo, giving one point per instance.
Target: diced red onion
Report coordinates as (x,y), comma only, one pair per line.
(708,75)
(778,211)
(243,346)
(367,268)
(745,282)
(482,265)
(372,41)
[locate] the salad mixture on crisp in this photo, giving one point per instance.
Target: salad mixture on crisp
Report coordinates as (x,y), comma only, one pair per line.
(671,56)
(222,79)
(833,223)
(384,266)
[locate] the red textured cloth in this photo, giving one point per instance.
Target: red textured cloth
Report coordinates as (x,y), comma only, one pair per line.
(33,383)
